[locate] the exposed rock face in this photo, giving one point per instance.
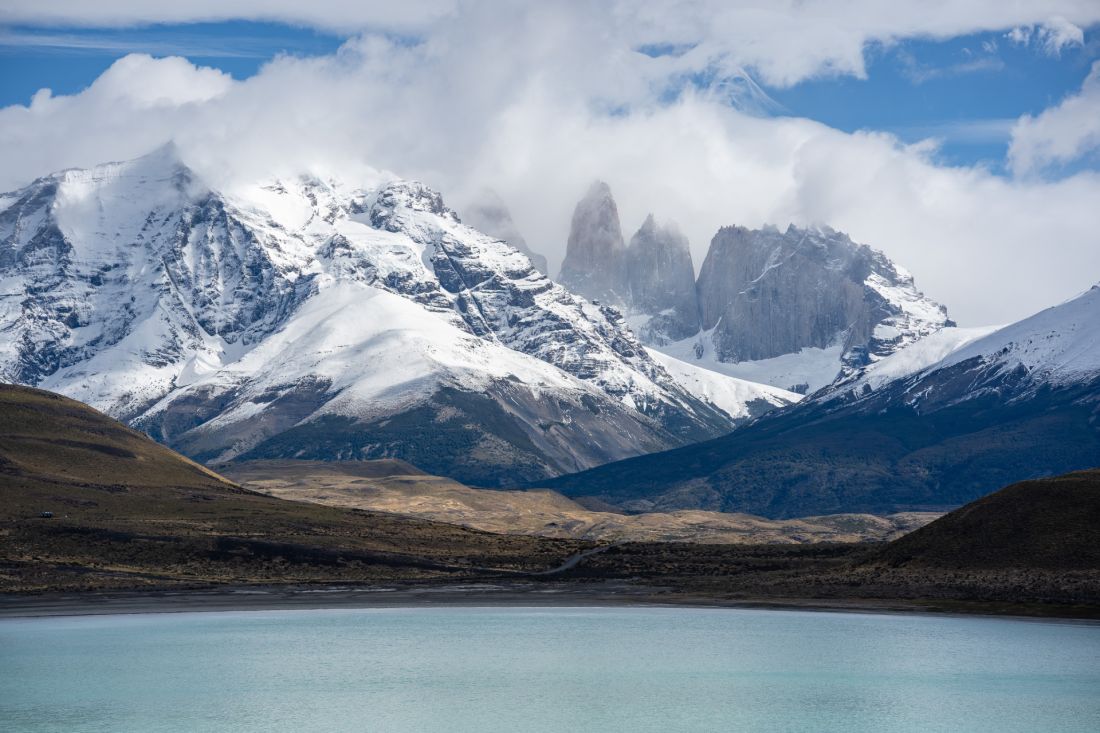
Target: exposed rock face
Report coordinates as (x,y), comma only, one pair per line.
(662,283)
(797,309)
(489,215)
(595,258)
(768,293)
(652,281)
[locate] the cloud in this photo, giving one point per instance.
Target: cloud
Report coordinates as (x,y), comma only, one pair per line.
(537,100)
(331,15)
(1060,134)
(131,108)
(191,46)
(781,41)
(1058,33)
(919,73)
(1052,36)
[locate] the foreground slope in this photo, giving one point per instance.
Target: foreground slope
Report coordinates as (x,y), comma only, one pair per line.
(1018,403)
(325,319)
(128,512)
(1051,523)
(1030,548)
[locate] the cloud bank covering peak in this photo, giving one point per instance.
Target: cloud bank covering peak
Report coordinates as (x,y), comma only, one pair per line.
(537,100)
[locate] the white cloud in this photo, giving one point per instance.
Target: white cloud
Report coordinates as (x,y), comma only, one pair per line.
(1060,134)
(782,41)
(1051,36)
(1058,33)
(920,73)
(1020,36)
(131,108)
(537,100)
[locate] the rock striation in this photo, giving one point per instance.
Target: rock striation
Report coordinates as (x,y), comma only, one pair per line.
(796,309)
(652,281)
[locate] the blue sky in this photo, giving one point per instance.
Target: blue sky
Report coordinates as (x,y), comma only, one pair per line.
(956,89)
(965,91)
(66,60)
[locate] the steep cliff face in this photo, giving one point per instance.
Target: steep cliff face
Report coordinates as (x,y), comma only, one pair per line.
(662,284)
(765,294)
(322,319)
(489,215)
(595,256)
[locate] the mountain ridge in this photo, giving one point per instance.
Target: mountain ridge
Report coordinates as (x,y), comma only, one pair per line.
(141,290)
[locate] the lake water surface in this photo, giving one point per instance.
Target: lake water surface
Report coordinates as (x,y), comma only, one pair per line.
(561,669)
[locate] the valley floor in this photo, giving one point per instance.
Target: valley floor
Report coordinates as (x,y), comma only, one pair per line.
(819,577)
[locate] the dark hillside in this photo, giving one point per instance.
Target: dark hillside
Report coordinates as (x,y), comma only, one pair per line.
(128,512)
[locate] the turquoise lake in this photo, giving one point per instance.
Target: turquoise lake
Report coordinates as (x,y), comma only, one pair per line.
(556,669)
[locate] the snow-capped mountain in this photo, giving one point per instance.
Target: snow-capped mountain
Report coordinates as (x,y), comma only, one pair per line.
(1055,348)
(941,422)
(488,214)
(319,319)
(739,398)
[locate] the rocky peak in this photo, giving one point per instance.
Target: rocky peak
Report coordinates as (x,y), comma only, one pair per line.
(767,293)
(662,283)
(595,257)
(489,215)
(409,196)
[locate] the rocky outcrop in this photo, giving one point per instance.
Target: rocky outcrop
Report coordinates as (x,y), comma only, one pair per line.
(489,215)
(662,283)
(796,309)
(764,293)
(652,281)
(595,257)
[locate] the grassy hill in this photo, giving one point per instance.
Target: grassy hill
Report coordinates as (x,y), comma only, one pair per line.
(128,512)
(1051,523)
(397,487)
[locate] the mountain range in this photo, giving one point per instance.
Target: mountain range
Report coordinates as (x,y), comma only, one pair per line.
(796,309)
(333,320)
(322,319)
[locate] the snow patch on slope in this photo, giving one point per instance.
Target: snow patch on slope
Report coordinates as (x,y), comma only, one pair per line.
(735,396)
(921,354)
(1059,344)
(805,371)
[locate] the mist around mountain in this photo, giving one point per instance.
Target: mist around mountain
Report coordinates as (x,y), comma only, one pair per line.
(796,309)
(488,214)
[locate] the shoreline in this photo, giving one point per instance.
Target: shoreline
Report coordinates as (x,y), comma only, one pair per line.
(484,595)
